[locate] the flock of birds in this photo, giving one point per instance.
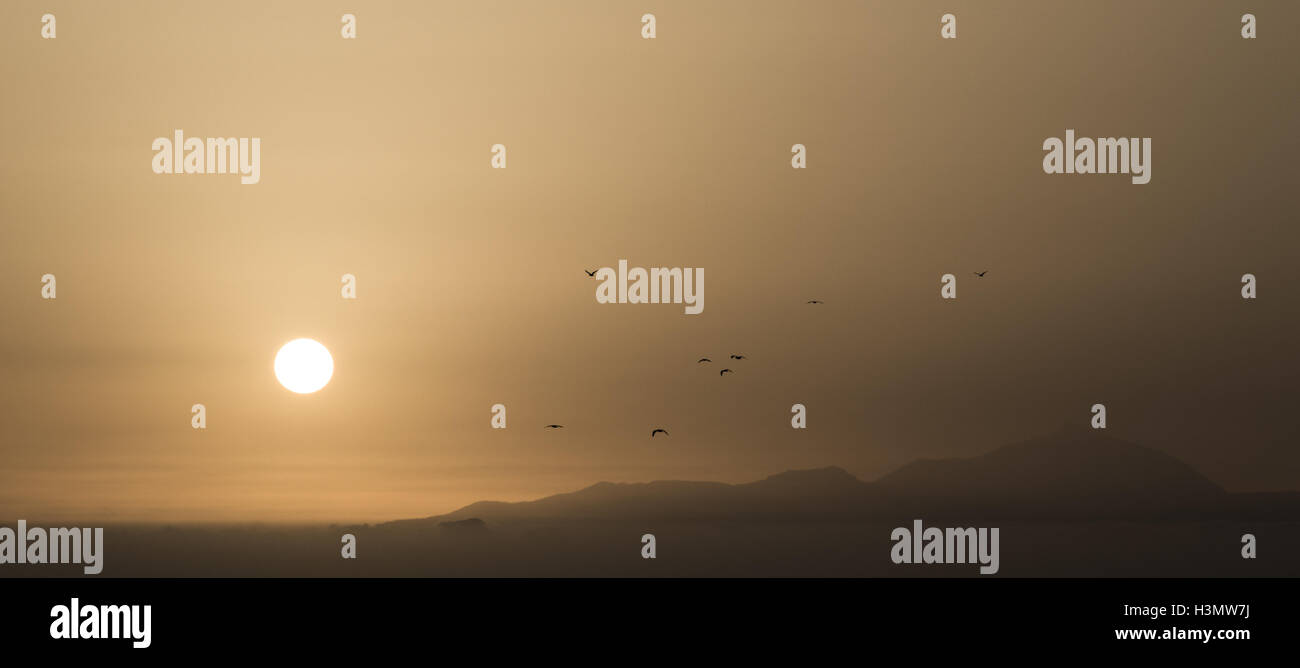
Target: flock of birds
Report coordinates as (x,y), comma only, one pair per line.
(705,360)
(660,430)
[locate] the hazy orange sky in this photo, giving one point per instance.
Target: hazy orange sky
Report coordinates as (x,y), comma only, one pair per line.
(924,158)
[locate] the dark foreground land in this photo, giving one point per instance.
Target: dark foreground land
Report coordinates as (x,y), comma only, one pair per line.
(684,549)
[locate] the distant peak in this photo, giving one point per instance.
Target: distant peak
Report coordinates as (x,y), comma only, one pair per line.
(821,476)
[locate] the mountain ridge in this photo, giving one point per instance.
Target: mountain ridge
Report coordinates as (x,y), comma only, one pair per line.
(1068,475)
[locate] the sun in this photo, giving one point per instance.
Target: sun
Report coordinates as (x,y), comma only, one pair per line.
(303,366)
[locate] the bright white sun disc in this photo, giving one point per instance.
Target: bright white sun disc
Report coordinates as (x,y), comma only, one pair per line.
(303,366)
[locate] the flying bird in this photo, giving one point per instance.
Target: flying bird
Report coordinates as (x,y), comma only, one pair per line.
(815,301)
(725,371)
(652,434)
(554,426)
(704,359)
(590,273)
(980,273)
(738,357)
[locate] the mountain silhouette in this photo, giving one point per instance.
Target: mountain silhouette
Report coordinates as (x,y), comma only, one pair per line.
(1072,475)
(1077,503)
(468,527)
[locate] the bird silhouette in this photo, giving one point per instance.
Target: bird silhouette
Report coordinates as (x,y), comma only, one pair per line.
(980,273)
(738,357)
(652,434)
(815,301)
(725,371)
(590,273)
(553,426)
(704,359)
